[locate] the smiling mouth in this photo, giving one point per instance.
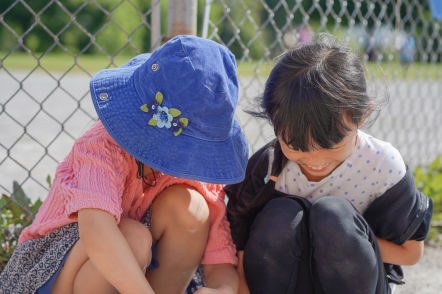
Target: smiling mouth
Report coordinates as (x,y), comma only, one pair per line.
(317,168)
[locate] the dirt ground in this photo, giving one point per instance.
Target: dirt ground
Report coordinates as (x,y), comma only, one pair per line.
(426,276)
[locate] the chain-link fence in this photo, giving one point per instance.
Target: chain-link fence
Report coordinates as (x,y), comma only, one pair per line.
(49,49)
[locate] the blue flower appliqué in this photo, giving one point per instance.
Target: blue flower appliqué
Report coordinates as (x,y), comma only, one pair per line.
(165,117)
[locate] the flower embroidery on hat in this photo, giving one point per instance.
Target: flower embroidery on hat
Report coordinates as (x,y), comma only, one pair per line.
(162,118)
(165,117)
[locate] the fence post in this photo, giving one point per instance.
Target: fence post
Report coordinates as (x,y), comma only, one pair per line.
(206,18)
(181,17)
(155,25)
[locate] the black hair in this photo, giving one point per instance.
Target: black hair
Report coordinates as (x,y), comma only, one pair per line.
(308,94)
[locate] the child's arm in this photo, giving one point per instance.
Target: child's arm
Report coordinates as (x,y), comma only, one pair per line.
(400,219)
(220,278)
(243,288)
(109,251)
(408,253)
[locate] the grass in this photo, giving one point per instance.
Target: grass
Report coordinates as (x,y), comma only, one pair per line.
(59,62)
(374,70)
(62,62)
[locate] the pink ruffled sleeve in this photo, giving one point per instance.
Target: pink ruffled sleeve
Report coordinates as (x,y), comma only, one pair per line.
(100,169)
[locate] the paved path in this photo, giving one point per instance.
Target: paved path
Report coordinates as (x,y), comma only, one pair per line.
(426,276)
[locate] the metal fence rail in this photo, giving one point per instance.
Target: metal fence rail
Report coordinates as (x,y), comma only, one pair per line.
(45,105)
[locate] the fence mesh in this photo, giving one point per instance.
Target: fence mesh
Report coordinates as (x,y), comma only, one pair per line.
(49,49)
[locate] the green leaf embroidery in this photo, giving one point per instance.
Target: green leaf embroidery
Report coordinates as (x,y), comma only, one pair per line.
(159,97)
(174,112)
(153,122)
(184,121)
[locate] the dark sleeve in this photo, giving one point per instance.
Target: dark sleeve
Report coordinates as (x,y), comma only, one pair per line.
(402,213)
(244,200)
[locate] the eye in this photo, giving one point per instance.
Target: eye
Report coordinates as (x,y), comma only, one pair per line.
(175,124)
(153,106)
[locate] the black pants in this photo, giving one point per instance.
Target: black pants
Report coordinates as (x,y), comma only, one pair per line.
(325,247)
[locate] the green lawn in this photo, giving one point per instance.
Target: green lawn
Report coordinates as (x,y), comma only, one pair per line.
(374,70)
(62,62)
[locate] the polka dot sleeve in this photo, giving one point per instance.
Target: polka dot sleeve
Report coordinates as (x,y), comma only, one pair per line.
(390,170)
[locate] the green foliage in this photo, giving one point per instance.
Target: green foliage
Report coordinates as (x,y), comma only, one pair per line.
(429,181)
(16,212)
(241,31)
(251,29)
(76,26)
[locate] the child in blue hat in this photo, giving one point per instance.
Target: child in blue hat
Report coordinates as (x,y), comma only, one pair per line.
(148,174)
(324,207)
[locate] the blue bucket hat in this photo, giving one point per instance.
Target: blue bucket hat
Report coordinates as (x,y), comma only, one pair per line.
(174,110)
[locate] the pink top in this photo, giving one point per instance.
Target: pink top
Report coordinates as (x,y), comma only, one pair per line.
(97,173)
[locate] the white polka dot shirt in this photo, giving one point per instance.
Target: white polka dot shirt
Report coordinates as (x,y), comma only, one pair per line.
(372,168)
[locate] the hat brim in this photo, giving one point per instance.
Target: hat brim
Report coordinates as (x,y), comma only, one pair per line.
(179,156)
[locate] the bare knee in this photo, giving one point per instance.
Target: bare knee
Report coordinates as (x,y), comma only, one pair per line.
(139,238)
(184,208)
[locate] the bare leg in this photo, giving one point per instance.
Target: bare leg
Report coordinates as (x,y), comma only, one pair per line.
(180,226)
(79,275)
